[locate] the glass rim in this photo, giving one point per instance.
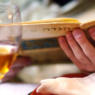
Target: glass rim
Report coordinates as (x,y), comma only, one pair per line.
(12,12)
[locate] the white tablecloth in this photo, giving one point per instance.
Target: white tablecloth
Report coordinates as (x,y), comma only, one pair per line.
(16,89)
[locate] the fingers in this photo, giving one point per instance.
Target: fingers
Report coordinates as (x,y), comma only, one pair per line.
(91,32)
(82,65)
(86,46)
(65,47)
(54,86)
(77,50)
(63,86)
(47,86)
(78,53)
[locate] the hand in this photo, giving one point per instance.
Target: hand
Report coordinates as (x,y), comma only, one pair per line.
(68,86)
(79,49)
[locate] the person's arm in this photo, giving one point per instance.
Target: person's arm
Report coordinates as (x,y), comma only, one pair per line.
(79,49)
(68,86)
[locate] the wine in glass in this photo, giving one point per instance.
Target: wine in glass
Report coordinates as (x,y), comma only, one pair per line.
(10,36)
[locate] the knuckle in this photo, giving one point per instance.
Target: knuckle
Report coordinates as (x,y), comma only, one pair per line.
(70,56)
(82,68)
(90,69)
(80,57)
(90,55)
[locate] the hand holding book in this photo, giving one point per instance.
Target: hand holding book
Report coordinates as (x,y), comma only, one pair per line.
(79,49)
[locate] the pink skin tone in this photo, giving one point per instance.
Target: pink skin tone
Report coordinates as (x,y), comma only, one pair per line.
(68,86)
(82,53)
(79,49)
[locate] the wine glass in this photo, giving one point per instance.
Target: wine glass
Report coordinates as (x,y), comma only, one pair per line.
(10,36)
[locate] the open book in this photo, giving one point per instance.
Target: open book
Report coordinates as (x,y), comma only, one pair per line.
(40,38)
(52,28)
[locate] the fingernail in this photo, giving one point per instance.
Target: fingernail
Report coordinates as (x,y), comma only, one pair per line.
(77,33)
(69,35)
(61,40)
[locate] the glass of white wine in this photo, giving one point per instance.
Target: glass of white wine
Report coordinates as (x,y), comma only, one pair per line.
(10,36)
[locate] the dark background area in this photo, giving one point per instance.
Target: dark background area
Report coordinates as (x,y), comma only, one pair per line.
(62,2)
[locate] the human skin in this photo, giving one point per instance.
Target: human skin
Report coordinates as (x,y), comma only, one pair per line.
(82,52)
(68,86)
(79,49)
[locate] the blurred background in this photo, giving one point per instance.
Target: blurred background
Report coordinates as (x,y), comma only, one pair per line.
(43,9)
(48,51)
